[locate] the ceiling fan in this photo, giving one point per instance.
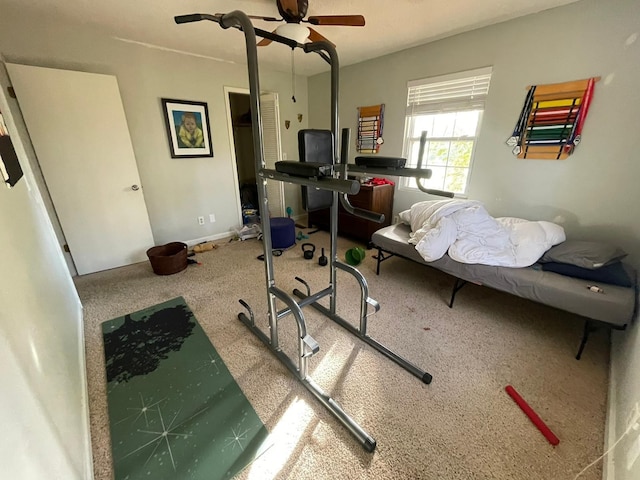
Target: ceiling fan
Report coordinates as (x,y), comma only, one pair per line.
(294,12)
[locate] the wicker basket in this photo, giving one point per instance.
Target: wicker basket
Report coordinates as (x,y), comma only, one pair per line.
(168,259)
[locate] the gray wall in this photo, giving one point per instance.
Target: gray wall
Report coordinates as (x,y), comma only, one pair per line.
(177,191)
(596,187)
(44,411)
(595,190)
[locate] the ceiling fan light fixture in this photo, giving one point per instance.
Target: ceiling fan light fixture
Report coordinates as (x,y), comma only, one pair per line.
(294,31)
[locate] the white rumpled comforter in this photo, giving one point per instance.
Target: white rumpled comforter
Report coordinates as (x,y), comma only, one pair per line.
(465,230)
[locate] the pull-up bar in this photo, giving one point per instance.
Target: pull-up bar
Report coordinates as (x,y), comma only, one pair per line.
(218,18)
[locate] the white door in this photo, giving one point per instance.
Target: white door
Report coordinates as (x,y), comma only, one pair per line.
(79,131)
(272,150)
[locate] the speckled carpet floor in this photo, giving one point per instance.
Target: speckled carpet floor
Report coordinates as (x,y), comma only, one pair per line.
(461,426)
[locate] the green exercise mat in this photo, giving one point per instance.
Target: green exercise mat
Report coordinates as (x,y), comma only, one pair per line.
(175,411)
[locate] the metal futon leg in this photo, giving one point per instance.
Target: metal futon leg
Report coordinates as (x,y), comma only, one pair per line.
(456,287)
(381,257)
(588,328)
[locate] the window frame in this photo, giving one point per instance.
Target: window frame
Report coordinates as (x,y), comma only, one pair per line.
(454,105)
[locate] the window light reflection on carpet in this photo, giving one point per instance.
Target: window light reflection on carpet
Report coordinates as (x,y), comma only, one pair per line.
(285,436)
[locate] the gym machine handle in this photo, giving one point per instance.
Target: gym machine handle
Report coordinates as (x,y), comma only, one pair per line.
(195,17)
(360,212)
(328,183)
(431,191)
(418,173)
(344,200)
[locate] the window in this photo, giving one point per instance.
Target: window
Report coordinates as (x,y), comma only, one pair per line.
(449,108)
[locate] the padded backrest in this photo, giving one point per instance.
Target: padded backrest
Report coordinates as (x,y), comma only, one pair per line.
(316,146)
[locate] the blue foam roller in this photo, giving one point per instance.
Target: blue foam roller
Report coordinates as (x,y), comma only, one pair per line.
(283,232)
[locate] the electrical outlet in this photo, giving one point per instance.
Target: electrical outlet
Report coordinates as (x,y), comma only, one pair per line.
(200,220)
(212,218)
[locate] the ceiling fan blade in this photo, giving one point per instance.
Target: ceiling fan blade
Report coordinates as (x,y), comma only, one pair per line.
(344,20)
(290,6)
(316,36)
(266,19)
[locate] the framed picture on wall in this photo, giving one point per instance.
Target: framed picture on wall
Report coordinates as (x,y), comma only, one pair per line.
(188,128)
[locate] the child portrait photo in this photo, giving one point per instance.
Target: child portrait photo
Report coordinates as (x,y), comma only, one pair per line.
(187,128)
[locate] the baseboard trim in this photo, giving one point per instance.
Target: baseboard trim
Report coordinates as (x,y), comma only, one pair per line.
(209,238)
(608,468)
(231,233)
(82,359)
(303,216)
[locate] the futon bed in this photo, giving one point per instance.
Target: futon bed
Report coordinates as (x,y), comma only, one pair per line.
(603,304)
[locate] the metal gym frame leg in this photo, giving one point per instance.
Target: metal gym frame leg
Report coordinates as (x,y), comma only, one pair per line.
(307,347)
(361,332)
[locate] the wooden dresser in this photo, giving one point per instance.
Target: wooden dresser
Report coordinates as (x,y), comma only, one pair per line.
(376,198)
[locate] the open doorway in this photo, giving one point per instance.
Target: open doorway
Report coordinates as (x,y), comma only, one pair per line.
(242,131)
(243,151)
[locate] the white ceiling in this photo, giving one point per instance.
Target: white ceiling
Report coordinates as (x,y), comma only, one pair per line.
(391,25)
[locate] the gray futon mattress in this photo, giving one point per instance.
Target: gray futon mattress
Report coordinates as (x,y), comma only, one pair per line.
(615,305)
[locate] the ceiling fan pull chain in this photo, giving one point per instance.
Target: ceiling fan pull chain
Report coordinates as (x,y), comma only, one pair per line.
(293,77)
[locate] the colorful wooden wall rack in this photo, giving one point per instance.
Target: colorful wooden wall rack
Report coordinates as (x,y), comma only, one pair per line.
(551,120)
(370,124)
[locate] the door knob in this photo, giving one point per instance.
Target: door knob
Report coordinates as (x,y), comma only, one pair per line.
(135,187)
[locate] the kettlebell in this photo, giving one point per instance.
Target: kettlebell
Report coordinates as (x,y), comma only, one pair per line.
(322,260)
(308,249)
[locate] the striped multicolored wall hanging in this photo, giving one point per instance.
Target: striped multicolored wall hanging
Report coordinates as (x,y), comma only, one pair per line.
(370,125)
(551,120)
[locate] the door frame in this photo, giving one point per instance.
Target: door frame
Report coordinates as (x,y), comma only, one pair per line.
(234,160)
(232,145)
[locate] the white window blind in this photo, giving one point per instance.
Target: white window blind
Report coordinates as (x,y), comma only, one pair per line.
(271,144)
(449,93)
(449,108)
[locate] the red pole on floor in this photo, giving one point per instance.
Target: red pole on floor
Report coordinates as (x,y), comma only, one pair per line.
(533,416)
